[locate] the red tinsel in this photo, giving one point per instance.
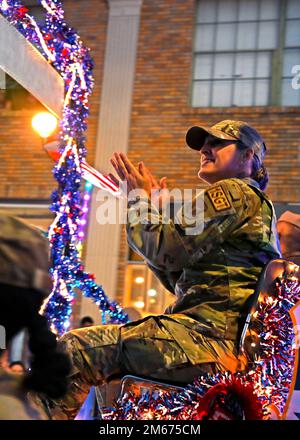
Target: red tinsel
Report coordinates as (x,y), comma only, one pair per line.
(213,405)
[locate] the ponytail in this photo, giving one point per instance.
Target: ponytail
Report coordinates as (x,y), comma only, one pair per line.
(260,173)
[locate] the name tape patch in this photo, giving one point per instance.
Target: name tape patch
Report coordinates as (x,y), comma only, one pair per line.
(218,198)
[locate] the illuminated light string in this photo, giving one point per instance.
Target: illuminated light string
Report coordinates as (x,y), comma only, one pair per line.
(71,86)
(50,7)
(65,152)
(54,287)
(76,158)
(63,48)
(49,54)
(81,76)
(83,221)
(4,5)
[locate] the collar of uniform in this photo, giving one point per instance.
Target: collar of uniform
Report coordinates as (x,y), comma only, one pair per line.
(250,182)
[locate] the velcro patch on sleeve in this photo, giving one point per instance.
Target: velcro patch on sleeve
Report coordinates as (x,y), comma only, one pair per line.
(218,198)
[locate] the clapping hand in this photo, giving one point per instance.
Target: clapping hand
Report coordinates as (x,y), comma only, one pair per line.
(138,177)
(135,178)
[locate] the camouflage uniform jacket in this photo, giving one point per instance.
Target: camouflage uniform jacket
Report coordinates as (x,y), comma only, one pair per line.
(213,273)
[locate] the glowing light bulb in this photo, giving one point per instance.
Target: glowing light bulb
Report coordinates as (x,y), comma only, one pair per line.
(139,280)
(139,304)
(5,5)
(44,124)
(152,292)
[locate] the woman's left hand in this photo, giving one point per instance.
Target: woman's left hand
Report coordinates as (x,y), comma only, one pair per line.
(135,178)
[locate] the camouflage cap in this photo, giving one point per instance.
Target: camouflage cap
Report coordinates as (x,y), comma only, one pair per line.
(228,130)
(24,256)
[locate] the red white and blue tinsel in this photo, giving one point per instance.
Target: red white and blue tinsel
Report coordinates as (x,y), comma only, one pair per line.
(63,48)
(265,384)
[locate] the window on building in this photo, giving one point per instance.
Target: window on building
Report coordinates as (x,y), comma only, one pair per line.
(143,291)
(244,52)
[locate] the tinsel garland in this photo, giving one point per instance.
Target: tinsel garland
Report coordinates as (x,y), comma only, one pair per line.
(62,47)
(269,378)
(190,404)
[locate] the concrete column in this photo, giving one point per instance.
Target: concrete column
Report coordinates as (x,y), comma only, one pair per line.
(102,253)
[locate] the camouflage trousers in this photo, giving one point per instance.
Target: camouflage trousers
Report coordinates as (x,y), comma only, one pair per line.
(158,347)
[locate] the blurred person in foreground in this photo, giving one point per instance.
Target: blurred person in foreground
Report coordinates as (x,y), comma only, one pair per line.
(213,271)
(24,285)
(288,227)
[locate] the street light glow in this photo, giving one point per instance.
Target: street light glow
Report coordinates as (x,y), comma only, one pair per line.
(44,124)
(139,280)
(139,304)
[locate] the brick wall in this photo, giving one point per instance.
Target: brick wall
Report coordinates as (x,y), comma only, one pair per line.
(25,171)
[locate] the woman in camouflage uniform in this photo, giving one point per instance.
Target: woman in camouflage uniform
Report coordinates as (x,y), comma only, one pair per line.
(212,272)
